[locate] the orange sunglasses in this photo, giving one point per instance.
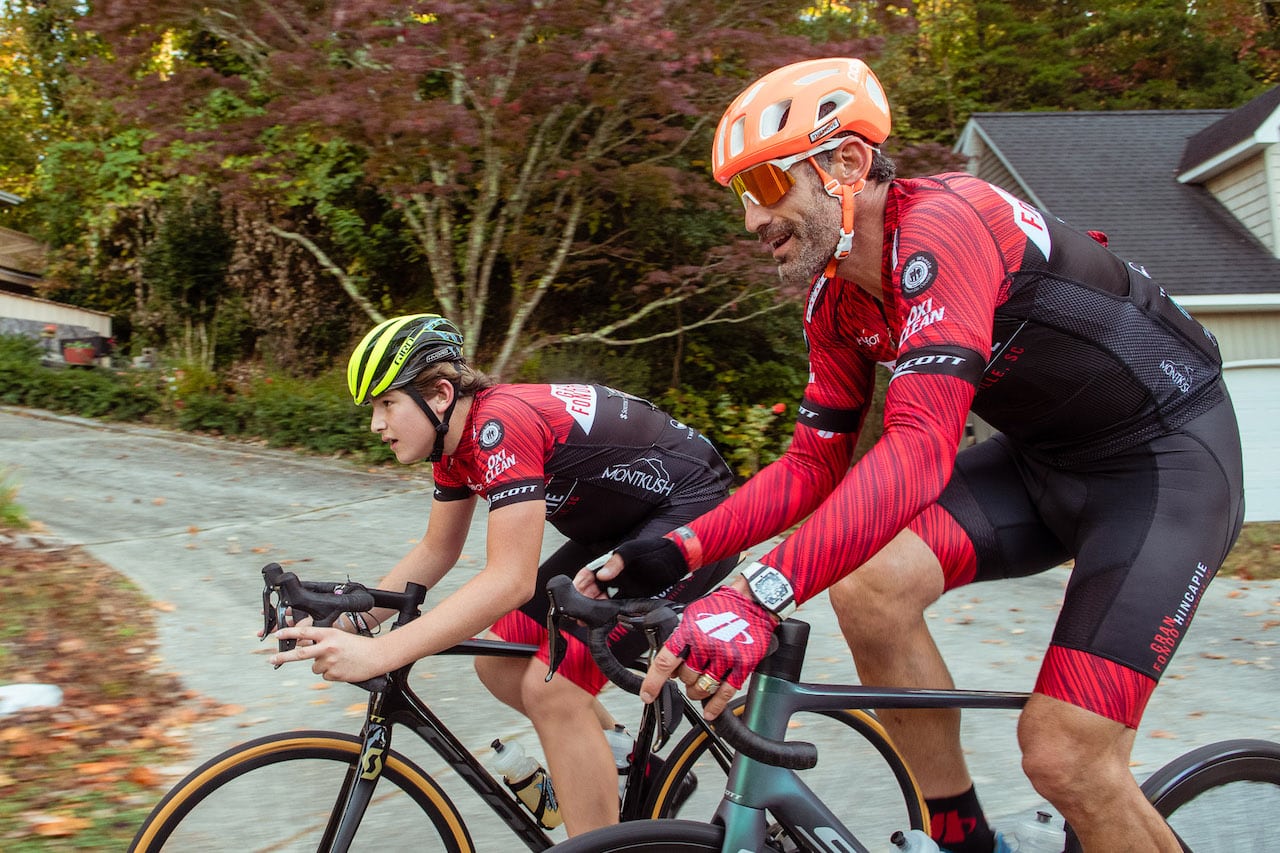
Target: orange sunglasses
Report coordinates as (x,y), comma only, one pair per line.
(768,182)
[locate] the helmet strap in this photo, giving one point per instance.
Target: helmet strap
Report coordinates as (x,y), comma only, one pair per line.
(441,424)
(846,194)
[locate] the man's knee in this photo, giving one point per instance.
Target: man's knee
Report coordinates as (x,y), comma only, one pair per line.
(1071,755)
(889,592)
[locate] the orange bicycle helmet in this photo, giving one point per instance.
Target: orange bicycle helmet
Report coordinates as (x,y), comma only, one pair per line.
(795,109)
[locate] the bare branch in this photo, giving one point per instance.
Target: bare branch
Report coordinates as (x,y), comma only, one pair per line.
(348,283)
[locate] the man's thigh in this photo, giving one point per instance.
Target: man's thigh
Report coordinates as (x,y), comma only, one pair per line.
(986,524)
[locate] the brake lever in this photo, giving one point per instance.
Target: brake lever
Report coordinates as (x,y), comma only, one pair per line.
(555,639)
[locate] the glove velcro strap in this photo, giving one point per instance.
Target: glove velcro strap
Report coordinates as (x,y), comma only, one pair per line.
(689,544)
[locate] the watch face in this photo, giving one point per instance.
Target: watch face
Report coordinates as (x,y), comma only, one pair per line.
(771,589)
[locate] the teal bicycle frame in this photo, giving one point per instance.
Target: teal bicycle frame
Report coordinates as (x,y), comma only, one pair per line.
(774,695)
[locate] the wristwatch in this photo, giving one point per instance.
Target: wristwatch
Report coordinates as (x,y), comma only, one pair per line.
(771,588)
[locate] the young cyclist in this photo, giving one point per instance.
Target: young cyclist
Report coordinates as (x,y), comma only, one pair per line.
(599,465)
(1119,449)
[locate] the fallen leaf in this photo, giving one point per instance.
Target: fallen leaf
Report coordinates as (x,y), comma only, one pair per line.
(144,776)
(59,826)
(159,502)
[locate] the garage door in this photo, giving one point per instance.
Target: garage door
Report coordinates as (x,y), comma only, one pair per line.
(1255,391)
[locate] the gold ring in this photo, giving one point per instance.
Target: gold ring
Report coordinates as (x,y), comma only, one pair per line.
(706,683)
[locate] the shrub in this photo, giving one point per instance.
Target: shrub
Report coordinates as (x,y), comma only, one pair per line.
(93,392)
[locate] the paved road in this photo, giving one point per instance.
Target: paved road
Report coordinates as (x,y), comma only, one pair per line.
(192,520)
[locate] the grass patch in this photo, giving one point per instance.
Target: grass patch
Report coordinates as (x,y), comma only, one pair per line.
(1256,555)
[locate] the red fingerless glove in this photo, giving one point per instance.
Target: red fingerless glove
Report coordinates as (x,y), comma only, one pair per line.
(724,634)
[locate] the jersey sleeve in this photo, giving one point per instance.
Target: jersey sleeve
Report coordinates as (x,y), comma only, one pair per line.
(940,304)
(448,486)
(784,492)
(512,445)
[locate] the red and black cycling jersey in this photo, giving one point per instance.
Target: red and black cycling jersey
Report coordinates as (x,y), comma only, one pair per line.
(1072,352)
(603,461)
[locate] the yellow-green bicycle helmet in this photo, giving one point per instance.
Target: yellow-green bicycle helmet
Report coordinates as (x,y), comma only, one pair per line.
(397,350)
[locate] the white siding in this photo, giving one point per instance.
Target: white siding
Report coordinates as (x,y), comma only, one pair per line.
(1244,336)
(1273,193)
(1243,190)
(1255,392)
(27,311)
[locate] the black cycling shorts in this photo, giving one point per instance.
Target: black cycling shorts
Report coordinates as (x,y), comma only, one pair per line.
(1148,528)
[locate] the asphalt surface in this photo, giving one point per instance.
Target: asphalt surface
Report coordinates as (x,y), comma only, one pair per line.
(192,520)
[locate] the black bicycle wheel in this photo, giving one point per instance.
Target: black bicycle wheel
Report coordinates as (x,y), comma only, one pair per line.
(648,836)
(885,799)
(276,793)
(1221,797)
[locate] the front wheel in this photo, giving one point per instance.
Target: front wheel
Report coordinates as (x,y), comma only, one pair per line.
(648,836)
(1221,797)
(277,793)
(852,745)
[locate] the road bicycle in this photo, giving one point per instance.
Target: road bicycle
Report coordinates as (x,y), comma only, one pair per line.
(1219,797)
(328,791)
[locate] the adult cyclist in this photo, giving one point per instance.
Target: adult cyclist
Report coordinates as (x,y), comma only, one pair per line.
(1118,449)
(598,465)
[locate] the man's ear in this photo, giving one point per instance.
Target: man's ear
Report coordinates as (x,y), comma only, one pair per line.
(853,161)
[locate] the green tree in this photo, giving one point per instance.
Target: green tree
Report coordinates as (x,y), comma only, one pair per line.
(501,138)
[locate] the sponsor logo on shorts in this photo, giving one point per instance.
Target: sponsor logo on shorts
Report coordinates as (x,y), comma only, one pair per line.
(1175,624)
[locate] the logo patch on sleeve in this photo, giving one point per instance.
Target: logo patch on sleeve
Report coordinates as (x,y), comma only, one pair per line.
(490,434)
(918,274)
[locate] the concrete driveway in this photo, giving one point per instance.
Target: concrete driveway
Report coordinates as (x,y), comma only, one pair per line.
(192,520)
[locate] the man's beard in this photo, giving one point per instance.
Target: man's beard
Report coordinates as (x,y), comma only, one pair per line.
(812,246)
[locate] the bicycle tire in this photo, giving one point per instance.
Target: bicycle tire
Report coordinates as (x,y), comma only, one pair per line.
(277,792)
(648,836)
(1221,797)
(889,798)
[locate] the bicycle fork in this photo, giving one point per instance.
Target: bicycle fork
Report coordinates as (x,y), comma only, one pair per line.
(359,782)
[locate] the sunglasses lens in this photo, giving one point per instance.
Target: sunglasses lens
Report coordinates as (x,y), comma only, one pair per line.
(764,184)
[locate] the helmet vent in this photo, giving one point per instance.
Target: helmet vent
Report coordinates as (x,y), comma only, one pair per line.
(737,137)
(832,103)
(774,118)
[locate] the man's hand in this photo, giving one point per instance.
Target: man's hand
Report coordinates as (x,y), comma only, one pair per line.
(638,568)
(717,645)
(335,654)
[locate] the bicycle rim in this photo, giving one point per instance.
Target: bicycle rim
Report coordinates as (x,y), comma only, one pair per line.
(659,836)
(276,794)
(1221,797)
(860,776)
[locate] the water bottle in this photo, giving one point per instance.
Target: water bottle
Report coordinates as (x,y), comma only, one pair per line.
(1041,834)
(622,745)
(527,780)
(913,841)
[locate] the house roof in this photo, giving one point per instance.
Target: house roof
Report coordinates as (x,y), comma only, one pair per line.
(1117,172)
(1237,127)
